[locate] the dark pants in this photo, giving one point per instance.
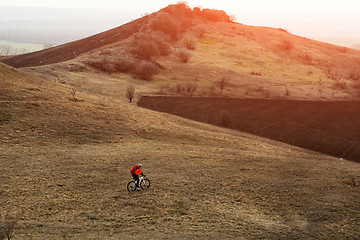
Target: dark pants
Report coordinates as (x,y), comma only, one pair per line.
(136,178)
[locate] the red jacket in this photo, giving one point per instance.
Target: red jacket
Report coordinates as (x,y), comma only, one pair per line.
(136,170)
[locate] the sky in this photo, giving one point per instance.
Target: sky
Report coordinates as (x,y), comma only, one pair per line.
(308,18)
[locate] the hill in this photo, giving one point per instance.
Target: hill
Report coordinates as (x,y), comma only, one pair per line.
(65,161)
(65,166)
(69,137)
(258,62)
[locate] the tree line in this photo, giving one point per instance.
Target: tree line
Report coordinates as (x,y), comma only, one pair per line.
(6,49)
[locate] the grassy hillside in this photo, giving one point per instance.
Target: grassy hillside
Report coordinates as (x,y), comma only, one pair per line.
(65,164)
(68,136)
(258,62)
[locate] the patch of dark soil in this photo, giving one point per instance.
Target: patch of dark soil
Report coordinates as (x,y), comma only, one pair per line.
(329,127)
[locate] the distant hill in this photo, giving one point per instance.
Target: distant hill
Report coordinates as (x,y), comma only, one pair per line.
(201,47)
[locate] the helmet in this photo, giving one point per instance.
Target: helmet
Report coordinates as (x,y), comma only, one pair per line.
(139,164)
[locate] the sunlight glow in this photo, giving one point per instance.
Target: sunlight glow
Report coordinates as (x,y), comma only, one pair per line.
(308,17)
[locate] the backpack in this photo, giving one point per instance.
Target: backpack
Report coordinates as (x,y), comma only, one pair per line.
(133,169)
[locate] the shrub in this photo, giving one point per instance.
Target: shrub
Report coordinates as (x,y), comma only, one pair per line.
(256,73)
(179,87)
(145,49)
(215,15)
(184,55)
(181,10)
(343,49)
(104,64)
(183,15)
(162,41)
(146,70)
(200,31)
(286,45)
(264,92)
(355,75)
(143,69)
(334,76)
(111,64)
(197,11)
(163,87)
(306,58)
(151,45)
(356,85)
(165,23)
(109,67)
(125,65)
(190,43)
(340,85)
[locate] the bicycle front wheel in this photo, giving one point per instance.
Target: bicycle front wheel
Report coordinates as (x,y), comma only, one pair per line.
(145,184)
(131,187)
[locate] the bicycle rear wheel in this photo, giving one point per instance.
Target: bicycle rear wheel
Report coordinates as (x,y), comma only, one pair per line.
(145,184)
(131,187)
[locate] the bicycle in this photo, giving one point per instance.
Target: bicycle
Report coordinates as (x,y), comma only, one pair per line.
(144,184)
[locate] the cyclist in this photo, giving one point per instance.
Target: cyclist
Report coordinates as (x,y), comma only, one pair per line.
(135,172)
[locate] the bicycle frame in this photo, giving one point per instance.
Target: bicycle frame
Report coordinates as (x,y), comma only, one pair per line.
(144,183)
(141,178)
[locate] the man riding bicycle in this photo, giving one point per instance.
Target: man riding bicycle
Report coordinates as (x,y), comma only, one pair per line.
(135,172)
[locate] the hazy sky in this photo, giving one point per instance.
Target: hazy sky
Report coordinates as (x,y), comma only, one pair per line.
(309,18)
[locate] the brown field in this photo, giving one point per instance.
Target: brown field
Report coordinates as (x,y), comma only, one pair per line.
(65,159)
(328,127)
(65,164)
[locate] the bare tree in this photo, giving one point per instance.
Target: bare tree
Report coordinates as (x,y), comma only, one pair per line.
(191,88)
(232,18)
(5,50)
(225,81)
(130,92)
(73,92)
(47,45)
(7,227)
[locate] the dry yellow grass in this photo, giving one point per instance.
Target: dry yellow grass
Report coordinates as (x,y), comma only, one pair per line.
(306,70)
(65,165)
